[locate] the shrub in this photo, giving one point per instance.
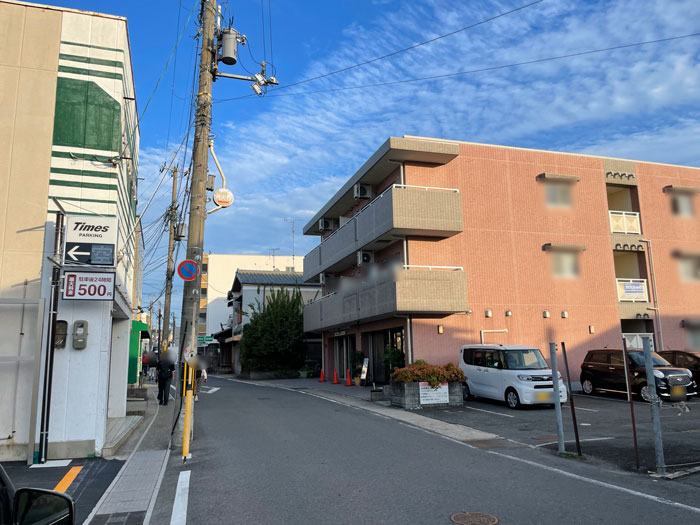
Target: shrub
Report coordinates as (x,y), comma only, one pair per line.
(435,375)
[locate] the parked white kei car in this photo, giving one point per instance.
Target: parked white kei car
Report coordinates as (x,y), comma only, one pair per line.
(518,375)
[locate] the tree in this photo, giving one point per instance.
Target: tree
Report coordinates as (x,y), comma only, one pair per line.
(272,340)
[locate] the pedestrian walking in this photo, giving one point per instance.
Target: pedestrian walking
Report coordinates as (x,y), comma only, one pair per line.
(200,375)
(166,370)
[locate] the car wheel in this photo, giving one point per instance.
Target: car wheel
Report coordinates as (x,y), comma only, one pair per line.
(512,399)
(587,387)
(645,393)
(466,393)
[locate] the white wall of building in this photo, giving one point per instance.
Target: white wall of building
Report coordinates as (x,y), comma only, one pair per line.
(221,271)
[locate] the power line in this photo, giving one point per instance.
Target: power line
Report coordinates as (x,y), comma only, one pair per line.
(393,53)
(480,70)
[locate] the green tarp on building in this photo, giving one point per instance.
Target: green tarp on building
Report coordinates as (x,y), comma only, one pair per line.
(139,331)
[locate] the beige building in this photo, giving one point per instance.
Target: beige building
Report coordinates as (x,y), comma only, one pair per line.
(68,131)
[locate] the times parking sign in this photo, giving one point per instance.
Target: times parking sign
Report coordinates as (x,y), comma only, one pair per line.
(90,240)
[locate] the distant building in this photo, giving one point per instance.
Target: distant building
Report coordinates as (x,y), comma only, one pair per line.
(253,287)
(433,244)
(69,132)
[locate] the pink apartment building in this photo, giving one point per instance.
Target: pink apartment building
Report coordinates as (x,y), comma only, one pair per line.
(433,244)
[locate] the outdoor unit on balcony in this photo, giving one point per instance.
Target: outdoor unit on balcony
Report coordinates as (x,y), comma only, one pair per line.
(325,224)
(364,257)
(362,191)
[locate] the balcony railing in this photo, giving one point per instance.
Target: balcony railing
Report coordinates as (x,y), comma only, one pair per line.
(624,222)
(439,290)
(398,210)
(635,341)
(632,290)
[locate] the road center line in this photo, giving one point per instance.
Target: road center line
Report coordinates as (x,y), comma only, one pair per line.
(179,515)
(488,411)
(573,440)
(67,479)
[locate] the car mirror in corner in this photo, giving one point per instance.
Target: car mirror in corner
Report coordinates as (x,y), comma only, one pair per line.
(38,506)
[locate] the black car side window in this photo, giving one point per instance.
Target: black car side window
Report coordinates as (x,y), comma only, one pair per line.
(615,357)
(599,357)
(467,355)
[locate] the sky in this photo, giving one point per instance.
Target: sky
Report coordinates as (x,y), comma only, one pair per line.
(286,153)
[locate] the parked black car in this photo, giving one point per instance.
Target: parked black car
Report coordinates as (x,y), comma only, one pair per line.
(28,506)
(689,360)
(603,370)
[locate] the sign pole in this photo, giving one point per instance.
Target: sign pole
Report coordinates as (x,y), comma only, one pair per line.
(557,400)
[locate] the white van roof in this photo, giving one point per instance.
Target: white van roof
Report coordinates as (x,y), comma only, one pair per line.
(499,347)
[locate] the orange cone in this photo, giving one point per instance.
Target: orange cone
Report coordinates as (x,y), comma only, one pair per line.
(335,376)
(348,382)
(322,380)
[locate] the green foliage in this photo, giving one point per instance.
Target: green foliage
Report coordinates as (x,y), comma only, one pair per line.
(272,340)
(435,375)
(393,358)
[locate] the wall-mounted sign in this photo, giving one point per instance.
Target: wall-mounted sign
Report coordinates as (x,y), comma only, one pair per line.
(430,395)
(90,240)
(223,197)
(90,286)
(635,291)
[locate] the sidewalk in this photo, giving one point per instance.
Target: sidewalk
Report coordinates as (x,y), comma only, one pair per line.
(132,493)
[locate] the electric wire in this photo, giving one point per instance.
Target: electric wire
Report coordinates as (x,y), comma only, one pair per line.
(473,71)
(262,17)
(414,46)
(172,87)
(272,55)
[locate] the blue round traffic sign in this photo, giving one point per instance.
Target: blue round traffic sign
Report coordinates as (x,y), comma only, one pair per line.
(188,270)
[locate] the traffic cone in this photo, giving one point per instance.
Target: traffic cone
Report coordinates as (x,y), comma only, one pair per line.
(335,376)
(322,380)
(348,382)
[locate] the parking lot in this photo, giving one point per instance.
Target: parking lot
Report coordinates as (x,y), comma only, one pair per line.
(605,429)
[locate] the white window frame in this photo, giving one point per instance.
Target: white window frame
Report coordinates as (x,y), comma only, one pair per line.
(682,204)
(689,268)
(558,194)
(564,264)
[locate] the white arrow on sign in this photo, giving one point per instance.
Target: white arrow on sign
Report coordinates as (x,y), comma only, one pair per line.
(72,252)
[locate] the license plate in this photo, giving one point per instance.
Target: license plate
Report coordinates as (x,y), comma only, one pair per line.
(678,391)
(543,396)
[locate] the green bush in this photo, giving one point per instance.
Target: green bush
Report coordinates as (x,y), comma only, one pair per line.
(435,375)
(272,340)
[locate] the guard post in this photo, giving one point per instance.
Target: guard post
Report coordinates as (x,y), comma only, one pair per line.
(187,423)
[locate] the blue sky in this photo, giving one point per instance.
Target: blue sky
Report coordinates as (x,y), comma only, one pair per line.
(284,156)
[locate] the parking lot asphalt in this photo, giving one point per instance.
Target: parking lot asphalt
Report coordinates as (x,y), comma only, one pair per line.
(605,429)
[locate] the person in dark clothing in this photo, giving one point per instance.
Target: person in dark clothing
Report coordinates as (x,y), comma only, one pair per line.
(165,374)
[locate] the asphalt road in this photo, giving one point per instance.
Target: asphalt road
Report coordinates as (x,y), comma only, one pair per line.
(268,455)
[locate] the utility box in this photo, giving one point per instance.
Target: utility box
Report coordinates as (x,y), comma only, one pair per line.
(229,46)
(80,334)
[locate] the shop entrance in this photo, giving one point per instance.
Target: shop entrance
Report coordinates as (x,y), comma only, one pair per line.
(343,350)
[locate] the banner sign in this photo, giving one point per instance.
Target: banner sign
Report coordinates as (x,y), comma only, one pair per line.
(365,365)
(635,291)
(90,286)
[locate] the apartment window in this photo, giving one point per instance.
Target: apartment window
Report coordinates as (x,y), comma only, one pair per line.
(689,268)
(564,264)
(693,338)
(558,194)
(682,204)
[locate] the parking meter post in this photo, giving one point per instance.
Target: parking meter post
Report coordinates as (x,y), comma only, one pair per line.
(557,401)
(631,402)
(654,405)
(571,398)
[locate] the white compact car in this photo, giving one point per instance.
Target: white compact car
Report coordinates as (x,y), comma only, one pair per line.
(518,375)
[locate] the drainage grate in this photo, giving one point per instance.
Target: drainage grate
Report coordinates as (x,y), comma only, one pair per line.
(474,518)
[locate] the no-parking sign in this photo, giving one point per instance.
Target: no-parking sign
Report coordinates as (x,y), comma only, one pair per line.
(188,270)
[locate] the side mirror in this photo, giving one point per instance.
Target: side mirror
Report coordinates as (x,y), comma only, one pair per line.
(38,506)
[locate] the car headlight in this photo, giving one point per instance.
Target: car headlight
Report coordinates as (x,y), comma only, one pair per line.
(659,374)
(524,378)
(690,374)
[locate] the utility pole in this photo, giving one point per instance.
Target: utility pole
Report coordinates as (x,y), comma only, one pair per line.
(170,271)
(160,333)
(292,221)
(200,158)
(272,251)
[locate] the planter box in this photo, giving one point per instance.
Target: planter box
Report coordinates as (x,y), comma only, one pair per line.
(407,395)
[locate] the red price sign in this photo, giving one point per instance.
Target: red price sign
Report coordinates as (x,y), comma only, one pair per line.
(90,286)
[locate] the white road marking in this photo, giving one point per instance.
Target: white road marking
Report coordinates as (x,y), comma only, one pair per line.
(179,515)
(489,411)
(52,463)
(211,390)
(587,409)
(585,424)
(573,441)
(173,387)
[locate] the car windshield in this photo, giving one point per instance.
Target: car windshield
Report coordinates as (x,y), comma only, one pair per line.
(637,358)
(529,359)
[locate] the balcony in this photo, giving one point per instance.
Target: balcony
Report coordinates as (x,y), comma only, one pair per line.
(624,222)
(400,210)
(425,290)
(632,291)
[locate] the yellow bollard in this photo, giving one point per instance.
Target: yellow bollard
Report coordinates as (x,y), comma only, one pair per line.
(187,423)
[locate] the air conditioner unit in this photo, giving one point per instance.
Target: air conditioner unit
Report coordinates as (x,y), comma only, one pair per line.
(362,191)
(364,257)
(325,224)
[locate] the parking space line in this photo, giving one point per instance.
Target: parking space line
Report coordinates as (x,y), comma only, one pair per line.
(573,441)
(488,411)
(587,409)
(67,479)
